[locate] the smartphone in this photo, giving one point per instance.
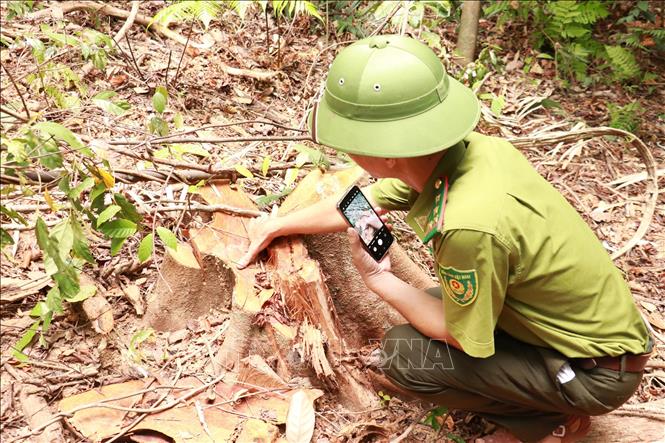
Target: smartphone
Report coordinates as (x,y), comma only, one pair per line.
(373,233)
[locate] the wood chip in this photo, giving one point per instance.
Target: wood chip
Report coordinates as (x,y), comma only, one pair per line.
(133,294)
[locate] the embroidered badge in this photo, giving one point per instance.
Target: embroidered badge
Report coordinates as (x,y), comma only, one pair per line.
(461,286)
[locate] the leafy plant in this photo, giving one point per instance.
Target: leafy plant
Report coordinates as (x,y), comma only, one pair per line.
(157,124)
(625,117)
(431,419)
(566,28)
(87,197)
(135,342)
(384,398)
(103,100)
(19,8)
(205,11)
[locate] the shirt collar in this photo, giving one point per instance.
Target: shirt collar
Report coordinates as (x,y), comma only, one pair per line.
(420,211)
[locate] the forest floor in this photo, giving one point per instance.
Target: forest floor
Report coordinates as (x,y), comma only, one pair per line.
(597,176)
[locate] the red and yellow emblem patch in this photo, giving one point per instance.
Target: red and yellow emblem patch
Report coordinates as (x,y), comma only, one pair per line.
(461,286)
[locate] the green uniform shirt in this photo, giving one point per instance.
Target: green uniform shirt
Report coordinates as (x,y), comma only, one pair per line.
(512,253)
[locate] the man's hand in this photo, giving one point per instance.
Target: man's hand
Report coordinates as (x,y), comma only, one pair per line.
(262,231)
(368,268)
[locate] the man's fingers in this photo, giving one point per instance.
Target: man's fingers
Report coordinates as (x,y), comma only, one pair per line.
(380,211)
(248,257)
(354,239)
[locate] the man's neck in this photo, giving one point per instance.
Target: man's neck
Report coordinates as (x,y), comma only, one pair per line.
(416,171)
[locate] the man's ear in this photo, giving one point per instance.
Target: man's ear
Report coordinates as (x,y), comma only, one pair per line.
(391,163)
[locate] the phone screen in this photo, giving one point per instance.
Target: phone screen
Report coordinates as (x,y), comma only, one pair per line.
(362,217)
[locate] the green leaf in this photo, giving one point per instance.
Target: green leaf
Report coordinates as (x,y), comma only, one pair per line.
(138,338)
(119,228)
(178,121)
(265,200)
(190,148)
(63,39)
(49,154)
(5,238)
(455,438)
(550,104)
(24,341)
(290,176)
(43,240)
(56,247)
(498,103)
(265,166)
(128,210)
(160,99)
(59,132)
(432,39)
(54,300)
(145,247)
(301,159)
(244,171)
(85,292)
(97,191)
(315,156)
(80,245)
(86,184)
(116,245)
(46,319)
(103,101)
(68,283)
(38,48)
(9,212)
(39,310)
(107,214)
(167,237)
(158,125)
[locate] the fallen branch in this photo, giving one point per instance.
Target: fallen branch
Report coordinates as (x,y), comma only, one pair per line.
(141,19)
(140,418)
(126,267)
(166,140)
(13,114)
(130,21)
(250,73)
(642,149)
(176,206)
(183,206)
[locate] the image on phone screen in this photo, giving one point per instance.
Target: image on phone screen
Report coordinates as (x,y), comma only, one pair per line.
(363,218)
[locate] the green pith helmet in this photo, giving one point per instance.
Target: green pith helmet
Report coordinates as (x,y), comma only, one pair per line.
(389,96)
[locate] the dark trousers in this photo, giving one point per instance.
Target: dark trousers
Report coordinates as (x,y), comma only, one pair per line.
(516,388)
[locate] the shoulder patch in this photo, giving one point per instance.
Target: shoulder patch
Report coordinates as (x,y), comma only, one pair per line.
(461,286)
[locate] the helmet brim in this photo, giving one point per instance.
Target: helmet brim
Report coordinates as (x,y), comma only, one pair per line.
(431,131)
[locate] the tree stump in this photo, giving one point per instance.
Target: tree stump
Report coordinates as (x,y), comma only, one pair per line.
(307,302)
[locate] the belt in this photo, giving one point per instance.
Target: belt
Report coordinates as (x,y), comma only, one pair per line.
(632,362)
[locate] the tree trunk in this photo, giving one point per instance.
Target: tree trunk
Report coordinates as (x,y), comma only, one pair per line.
(468,32)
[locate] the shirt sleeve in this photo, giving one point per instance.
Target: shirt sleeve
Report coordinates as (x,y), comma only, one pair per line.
(391,193)
(473,269)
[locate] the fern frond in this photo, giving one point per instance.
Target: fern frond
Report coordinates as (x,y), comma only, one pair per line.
(591,12)
(623,62)
(241,6)
(175,12)
(203,10)
(625,117)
